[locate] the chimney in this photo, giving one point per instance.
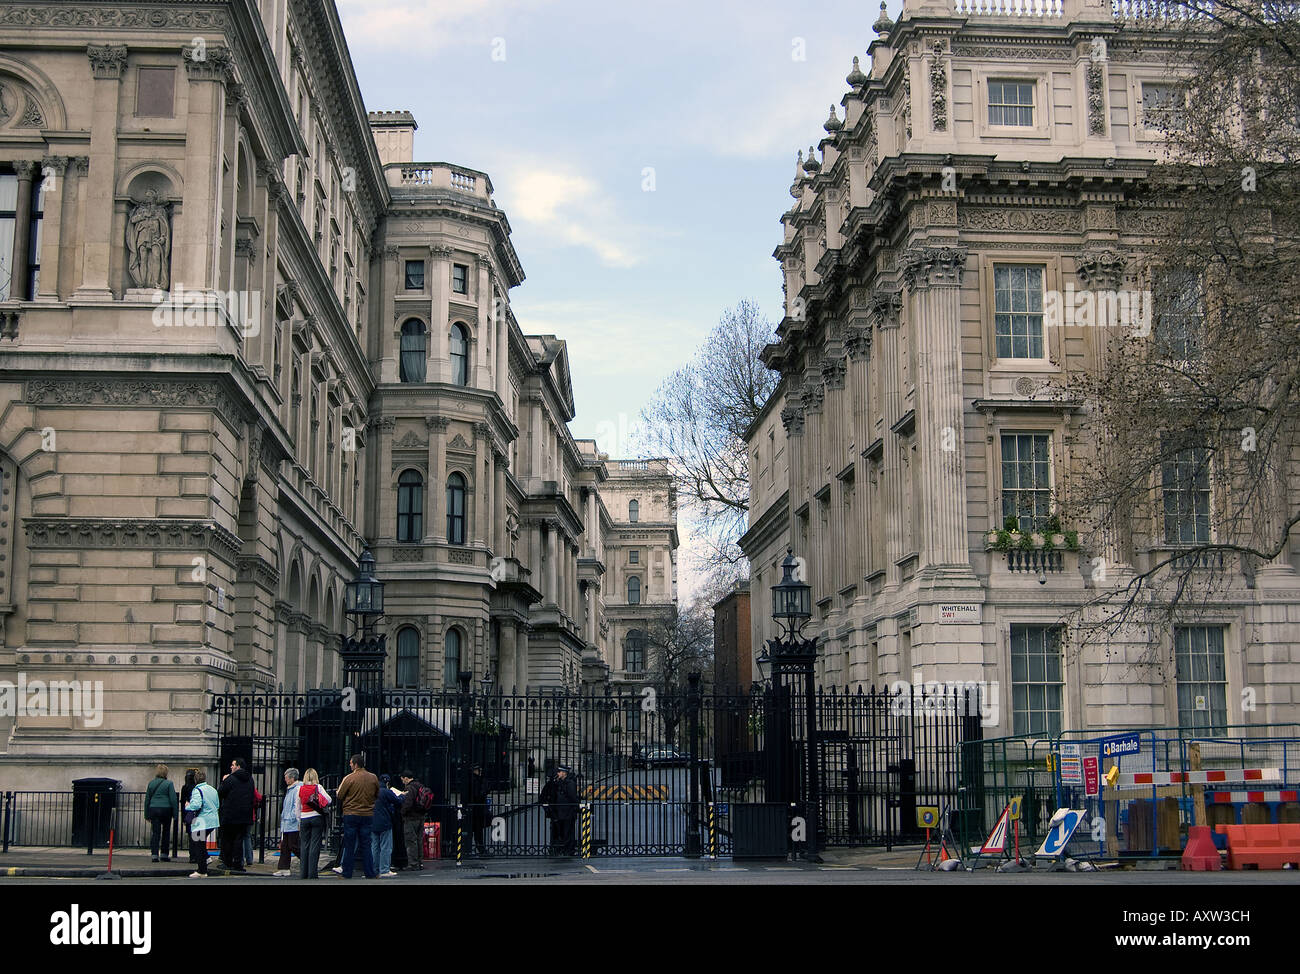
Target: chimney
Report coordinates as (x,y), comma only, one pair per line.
(394,134)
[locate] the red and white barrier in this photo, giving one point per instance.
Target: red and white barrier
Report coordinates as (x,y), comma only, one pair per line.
(1142,779)
(1235,797)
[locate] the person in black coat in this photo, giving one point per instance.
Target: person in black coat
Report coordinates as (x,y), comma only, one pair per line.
(238,798)
(566,809)
(478,808)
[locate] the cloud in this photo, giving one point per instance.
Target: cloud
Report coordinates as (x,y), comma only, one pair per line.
(566,207)
(423,25)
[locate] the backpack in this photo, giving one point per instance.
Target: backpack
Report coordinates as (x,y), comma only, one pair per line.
(423,799)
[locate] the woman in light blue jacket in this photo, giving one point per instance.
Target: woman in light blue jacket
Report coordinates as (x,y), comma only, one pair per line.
(205,805)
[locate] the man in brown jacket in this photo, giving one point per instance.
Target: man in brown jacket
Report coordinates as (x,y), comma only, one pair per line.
(357,793)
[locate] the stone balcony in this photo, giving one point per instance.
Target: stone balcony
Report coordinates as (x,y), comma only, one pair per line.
(439,176)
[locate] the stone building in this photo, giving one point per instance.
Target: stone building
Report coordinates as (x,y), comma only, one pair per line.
(987,159)
(242,336)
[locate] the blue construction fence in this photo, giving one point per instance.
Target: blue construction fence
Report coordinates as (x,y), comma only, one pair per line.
(1130,820)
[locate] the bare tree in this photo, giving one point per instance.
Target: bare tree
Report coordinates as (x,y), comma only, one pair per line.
(679,644)
(1192,428)
(697,419)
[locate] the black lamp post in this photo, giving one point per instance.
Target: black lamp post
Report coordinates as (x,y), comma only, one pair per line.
(792,659)
(363,652)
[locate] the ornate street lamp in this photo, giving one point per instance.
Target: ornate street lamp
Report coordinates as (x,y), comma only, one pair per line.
(363,599)
(363,652)
(793,660)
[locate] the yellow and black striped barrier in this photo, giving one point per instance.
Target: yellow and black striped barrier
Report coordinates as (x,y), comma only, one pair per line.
(460,834)
(586,830)
(626,793)
(713,834)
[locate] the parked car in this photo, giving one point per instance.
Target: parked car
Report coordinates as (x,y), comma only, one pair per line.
(659,756)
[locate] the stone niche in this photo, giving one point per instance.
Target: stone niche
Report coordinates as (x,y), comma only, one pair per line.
(150,198)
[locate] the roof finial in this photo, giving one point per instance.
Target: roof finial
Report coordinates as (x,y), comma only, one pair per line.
(856,79)
(883,24)
(832,124)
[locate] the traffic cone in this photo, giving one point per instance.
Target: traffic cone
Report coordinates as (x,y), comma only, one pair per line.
(943,851)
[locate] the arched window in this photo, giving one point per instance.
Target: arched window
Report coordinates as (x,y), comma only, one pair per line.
(634,591)
(459,355)
(414,351)
(455,509)
(451,659)
(633,510)
(410,506)
(408,658)
(634,655)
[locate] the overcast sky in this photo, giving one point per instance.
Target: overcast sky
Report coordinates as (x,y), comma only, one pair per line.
(568,104)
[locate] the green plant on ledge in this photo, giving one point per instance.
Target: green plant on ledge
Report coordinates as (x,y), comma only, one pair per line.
(1011,524)
(1026,542)
(616,729)
(1048,545)
(1053,525)
(1003,542)
(559,730)
(485,725)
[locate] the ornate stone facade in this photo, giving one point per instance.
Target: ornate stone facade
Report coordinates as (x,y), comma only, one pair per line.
(887,454)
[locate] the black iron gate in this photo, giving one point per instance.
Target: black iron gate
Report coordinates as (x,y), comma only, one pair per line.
(661,772)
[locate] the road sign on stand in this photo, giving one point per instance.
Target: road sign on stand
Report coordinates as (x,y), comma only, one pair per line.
(1071,767)
(1063,824)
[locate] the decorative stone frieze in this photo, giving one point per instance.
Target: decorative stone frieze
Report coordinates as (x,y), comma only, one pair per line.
(148,533)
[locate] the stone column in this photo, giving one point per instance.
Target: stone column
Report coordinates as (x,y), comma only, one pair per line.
(435,525)
(26,169)
(933,277)
(479,377)
(440,324)
(500,543)
(196,233)
(55,169)
(886,305)
(482,484)
(507,676)
(107,63)
(857,346)
(552,561)
(502,321)
(539,427)
(236,98)
(387,499)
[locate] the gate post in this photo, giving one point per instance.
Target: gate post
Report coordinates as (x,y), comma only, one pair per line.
(692,850)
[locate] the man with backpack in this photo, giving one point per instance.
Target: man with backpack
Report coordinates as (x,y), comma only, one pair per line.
(416,803)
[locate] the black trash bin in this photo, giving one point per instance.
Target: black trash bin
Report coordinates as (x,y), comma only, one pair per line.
(93,801)
(759,831)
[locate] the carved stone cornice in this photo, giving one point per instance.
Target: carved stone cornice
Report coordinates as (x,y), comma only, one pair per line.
(107,61)
(812,396)
(259,571)
(59,164)
(437,424)
(212,63)
(925,267)
(80,164)
(137,533)
(482,431)
(81,17)
(441,252)
(792,419)
(237,97)
(1102,268)
(25,168)
(133,392)
(391,253)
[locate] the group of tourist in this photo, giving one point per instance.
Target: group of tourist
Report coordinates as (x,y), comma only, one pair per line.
(371,812)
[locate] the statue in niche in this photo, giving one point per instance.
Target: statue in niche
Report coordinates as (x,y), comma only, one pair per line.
(148,241)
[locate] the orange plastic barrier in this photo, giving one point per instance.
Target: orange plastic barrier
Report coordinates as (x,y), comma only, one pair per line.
(1262,846)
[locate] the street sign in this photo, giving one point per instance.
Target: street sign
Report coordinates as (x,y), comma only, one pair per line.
(927,816)
(1113,747)
(1014,808)
(1070,750)
(959,612)
(1063,824)
(1091,785)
